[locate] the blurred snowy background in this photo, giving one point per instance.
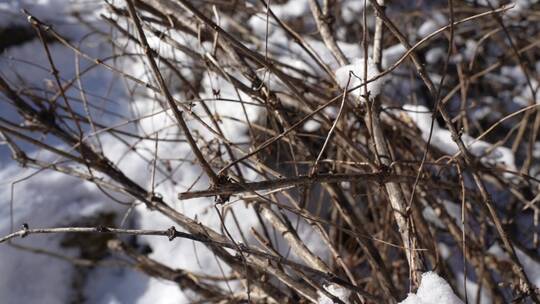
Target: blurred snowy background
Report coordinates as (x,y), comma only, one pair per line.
(80,269)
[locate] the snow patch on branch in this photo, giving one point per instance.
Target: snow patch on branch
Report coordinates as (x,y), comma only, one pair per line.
(337,291)
(442,140)
(356,72)
(433,290)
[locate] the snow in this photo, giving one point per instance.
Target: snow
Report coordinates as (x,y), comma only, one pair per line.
(311,126)
(141,288)
(429,26)
(351,10)
(357,77)
(392,54)
(433,290)
(531,267)
(488,3)
(50,11)
(44,205)
(442,140)
(41,201)
(335,290)
(525,97)
(471,48)
(434,55)
(287,50)
(287,11)
(45,198)
(522,6)
(50,199)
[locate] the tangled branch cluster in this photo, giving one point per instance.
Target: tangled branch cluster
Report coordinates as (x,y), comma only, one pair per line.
(402,143)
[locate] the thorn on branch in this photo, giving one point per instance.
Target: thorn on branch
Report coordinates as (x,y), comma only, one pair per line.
(256,84)
(30,18)
(180,276)
(328,19)
(408,211)
(222,180)
(22,158)
(101,228)
(171,233)
(331,277)
(222,199)
(35,21)
(153,200)
(242,247)
(47,115)
(384,172)
(25,229)
(366,96)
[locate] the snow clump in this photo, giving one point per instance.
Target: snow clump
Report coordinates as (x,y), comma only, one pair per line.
(337,291)
(356,72)
(442,140)
(433,290)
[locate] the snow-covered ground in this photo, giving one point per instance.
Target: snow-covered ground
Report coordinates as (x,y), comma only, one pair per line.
(433,289)
(49,199)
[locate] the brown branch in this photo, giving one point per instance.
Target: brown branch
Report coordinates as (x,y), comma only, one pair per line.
(165,91)
(326,33)
(234,188)
(468,157)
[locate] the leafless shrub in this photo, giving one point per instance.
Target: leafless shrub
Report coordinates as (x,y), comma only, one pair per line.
(348,162)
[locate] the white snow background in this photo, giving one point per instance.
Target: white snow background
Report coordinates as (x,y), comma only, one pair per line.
(49,199)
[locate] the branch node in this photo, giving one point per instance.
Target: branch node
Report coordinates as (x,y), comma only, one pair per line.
(172,233)
(25,230)
(101,228)
(153,200)
(221,181)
